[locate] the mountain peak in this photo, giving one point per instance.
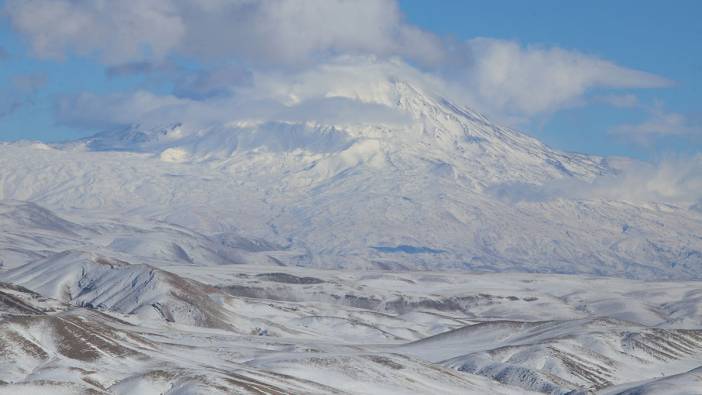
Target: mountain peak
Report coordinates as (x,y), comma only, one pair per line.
(387,108)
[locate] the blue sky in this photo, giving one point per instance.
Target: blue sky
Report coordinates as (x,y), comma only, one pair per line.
(44,66)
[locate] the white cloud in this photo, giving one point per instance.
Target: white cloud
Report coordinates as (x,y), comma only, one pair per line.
(261,31)
(498,77)
(292,31)
(507,78)
(674,180)
(88,110)
(233,91)
(117,31)
(660,123)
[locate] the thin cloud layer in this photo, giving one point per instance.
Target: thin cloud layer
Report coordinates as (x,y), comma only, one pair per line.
(622,101)
(674,180)
(88,110)
(20,92)
(658,124)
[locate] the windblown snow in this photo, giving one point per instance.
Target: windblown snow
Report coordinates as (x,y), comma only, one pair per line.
(420,250)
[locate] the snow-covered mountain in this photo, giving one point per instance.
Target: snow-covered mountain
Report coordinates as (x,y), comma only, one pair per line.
(193,258)
(425,183)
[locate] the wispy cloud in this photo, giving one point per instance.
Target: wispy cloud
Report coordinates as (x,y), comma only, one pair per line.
(132,68)
(675,180)
(628,100)
(506,77)
(21,92)
(28,83)
(659,123)
(209,83)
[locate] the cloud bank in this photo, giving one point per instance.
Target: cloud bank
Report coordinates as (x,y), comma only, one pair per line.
(261,31)
(230,41)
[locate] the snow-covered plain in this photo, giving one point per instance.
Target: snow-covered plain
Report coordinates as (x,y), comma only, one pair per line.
(424,251)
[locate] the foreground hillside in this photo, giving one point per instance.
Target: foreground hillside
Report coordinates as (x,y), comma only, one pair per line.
(296,330)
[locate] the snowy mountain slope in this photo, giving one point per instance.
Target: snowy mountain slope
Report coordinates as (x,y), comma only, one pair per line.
(442,189)
(687,383)
(50,353)
(79,350)
(92,280)
(445,301)
(36,339)
(560,356)
(156,297)
(349,332)
(381,373)
(32,232)
(442,171)
(19,300)
(586,345)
